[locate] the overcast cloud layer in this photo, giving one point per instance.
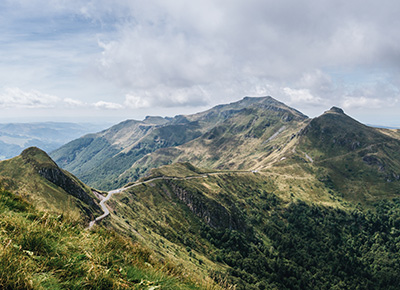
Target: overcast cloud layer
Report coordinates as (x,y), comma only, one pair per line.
(73,59)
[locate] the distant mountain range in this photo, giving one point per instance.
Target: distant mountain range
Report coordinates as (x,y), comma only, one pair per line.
(15,137)
(217,138)
(251,134)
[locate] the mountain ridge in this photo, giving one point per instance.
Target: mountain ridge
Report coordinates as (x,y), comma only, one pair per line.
(36,177)
(253,134)
(172,133)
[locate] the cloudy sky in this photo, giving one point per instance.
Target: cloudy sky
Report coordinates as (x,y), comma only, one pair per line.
(110,60)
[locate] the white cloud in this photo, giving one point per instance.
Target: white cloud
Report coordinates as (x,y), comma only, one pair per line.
(174,53)
(302,96)
(377,94)
(181,45)
(362,102)
(73,103)
(17,98)
(318,82)
(107,105)
(164,96)
(136,102)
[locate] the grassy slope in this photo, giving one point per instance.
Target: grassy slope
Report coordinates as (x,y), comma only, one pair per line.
(250,137)
(155,214)
(358,162)
(20,174)
(274,229)
(100,158)
(394,133)
(44,251)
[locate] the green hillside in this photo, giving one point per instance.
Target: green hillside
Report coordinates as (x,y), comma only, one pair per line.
(250,139)
(246,229)
(35,177)
(360,163)
(98,159)
(39,250)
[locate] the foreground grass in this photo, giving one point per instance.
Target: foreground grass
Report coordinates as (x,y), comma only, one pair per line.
(43,251)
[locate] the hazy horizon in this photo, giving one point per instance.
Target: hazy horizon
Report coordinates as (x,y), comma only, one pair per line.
(113,120)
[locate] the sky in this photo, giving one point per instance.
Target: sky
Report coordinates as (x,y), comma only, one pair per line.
(111,60)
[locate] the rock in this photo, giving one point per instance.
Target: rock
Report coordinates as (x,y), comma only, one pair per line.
(212,212)
(374,161)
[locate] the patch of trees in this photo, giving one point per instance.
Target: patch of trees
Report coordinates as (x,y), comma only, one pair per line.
(311,247)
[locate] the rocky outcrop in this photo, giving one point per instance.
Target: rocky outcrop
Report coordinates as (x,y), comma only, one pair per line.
(59,178)
(374,161)
(210,211)
(336,110)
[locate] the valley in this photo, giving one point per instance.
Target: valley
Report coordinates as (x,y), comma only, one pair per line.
(15,137)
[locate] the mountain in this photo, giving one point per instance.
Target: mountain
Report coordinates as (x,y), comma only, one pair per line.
(95,158)
(217,138)
(361,163)
(315,205)
(15,137)
(45,250)
(248,195)
(253,134)
(38,179)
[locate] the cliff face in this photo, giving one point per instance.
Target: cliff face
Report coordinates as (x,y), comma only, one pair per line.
(49,170)
(59,178)
(210,211)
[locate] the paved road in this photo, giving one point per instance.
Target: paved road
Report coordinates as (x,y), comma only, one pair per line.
(103,206)
(106,211)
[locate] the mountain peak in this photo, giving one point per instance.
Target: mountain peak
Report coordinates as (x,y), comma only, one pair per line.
(48,169)
(260,100)
(37,157)
(157,120)
(335,110)
(32,151)
(265,103)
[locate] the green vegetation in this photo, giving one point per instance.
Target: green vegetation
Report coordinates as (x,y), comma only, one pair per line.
(180,169)
(240,228)
(43,251)
(280,202)
(361,163)
(314,247)
(39,180)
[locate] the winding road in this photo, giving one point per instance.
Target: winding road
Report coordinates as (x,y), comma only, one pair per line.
(106,211)
(103,201)
(103,206)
